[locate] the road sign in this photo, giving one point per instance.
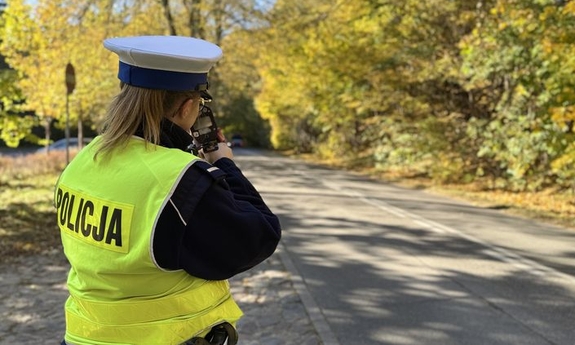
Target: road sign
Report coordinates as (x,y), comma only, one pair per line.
(70,78)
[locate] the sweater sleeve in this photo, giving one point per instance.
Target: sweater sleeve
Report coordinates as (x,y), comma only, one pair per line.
(214,228)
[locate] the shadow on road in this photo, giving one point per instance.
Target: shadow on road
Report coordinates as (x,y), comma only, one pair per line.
(391,281)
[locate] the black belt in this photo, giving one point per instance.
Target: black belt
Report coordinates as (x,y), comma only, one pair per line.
(217,336)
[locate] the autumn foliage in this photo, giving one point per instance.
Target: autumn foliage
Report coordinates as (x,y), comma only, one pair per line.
(459,91)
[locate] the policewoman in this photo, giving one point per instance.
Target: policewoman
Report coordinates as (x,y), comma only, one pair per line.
(152,232)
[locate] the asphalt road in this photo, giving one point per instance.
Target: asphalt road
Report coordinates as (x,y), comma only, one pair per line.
(379,264)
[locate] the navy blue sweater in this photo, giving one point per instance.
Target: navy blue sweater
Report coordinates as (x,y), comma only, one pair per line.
(217,224)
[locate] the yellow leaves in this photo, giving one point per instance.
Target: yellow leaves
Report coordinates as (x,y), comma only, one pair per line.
(548,13)
(498,9)
(563,115)
(18,29)
(39,41)
(547,46)
(521,91)
(569,8)
(565,163)
(34,49)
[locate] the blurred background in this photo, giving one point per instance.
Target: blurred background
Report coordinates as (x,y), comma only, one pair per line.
(458,91)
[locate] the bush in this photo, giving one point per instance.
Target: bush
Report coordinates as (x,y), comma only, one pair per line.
(36,164)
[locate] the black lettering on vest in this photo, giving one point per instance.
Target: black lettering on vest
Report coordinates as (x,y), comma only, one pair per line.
(79,215)
(115,228)
(87,210)
(98,234)
(70,209)
(58,198)
(63,208)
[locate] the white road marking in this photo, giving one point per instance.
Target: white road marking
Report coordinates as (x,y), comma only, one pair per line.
(497,253)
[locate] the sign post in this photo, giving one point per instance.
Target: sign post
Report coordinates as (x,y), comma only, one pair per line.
(70,85)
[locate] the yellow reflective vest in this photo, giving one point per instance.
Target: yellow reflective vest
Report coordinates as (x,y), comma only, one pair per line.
(107,211)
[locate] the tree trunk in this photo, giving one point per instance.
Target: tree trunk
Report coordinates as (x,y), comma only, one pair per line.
(48,132)
(169,18)
(80,133)
(196,22)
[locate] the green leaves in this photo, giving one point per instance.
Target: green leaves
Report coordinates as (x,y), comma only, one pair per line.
(457,90)
(15,124)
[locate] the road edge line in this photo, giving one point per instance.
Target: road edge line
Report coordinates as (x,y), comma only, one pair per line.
(317,318)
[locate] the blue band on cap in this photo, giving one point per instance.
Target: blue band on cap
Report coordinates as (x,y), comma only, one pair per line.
(162,80)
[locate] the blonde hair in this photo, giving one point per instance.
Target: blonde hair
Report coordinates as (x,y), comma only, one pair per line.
(134,109)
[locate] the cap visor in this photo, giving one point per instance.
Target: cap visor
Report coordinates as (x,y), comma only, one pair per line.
(205,95)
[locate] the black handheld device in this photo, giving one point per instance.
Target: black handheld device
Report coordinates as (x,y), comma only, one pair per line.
(205,130)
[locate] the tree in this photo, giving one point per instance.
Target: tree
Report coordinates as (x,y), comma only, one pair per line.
(233,82)
(15,124)
(372,71)
(511,55)
(24,47)
(38,48)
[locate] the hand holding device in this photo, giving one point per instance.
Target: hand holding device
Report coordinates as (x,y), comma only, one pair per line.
(210,142)
(205,130)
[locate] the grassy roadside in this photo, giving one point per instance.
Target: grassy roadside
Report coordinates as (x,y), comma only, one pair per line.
(549,206)
(28,223)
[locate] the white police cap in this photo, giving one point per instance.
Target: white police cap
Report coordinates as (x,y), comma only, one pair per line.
(173,63)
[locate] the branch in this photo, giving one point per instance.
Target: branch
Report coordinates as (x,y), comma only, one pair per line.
(166,5)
